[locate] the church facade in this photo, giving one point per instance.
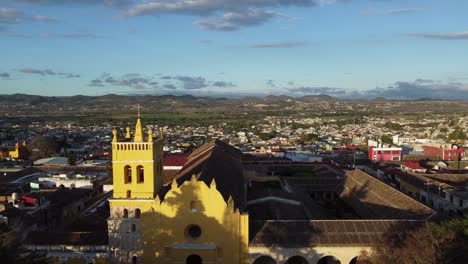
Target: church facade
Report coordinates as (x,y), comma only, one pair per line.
(186,222)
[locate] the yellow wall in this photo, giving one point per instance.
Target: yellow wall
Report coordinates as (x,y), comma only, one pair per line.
(161,230)
(224,237)
(14,154)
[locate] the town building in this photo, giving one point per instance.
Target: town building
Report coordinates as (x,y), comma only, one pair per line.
(227,207)
(444,152)
(214,210)
(378,154)
(19,152)
(72,180)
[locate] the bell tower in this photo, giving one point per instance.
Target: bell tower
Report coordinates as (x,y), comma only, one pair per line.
(137,164)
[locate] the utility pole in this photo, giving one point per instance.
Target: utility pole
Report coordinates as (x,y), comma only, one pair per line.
(427,183)
(354,159)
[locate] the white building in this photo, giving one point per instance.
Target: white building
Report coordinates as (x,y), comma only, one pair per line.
(72,180)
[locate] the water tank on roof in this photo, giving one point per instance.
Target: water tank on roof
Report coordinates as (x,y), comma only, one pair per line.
(442,165)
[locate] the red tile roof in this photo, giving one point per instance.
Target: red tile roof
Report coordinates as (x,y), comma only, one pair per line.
(175,160)
(412,165)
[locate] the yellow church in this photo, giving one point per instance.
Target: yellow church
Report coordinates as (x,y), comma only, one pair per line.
(18,153)
(198,218)
(226,207)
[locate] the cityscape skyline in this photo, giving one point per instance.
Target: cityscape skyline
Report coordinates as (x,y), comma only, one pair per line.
(346,49)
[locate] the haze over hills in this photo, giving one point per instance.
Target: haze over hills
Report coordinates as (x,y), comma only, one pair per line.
(38,99)
(125,99)
(312,105)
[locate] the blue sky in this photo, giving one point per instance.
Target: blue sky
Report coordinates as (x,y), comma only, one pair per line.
(344,48)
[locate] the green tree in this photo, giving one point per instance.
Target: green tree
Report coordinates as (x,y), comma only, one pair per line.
(386,139)
(457,134)
(444,243)
(17,254)
(72,159)
(267,136)
(309,137)
(393,126)
(42,147)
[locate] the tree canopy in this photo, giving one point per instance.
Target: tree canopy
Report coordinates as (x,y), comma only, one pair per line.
(42,147)
(444,243)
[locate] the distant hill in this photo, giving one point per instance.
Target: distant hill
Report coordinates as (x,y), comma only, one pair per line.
(426,99)
(320,97)
(35,99)
(380,99)
(189,106)
(81,104)
(278,98)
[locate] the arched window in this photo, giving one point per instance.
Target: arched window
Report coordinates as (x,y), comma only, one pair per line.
(129,194)
(137,213)
(297,260)
(357,260)
(194,259)
(125,213)
(133,228)
(128,174)
(140,174)
(329,260)
(264,260)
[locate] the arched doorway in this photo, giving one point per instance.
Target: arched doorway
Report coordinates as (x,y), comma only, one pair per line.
(297,260)
(264,260)
(194,259)
(329,260)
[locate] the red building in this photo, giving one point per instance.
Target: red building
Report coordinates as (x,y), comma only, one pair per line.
(384,154)
(412,166)
(443,154)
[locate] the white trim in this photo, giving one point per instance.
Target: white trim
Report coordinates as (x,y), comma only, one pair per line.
(387,149)
(130,200)
(173,167)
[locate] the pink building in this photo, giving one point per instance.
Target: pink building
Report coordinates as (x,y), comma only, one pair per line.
(384,154)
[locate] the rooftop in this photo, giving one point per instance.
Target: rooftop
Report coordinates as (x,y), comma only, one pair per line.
(293,234)
(373,199)
(215,160)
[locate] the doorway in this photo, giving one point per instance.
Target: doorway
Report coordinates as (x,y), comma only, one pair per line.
(194,259)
